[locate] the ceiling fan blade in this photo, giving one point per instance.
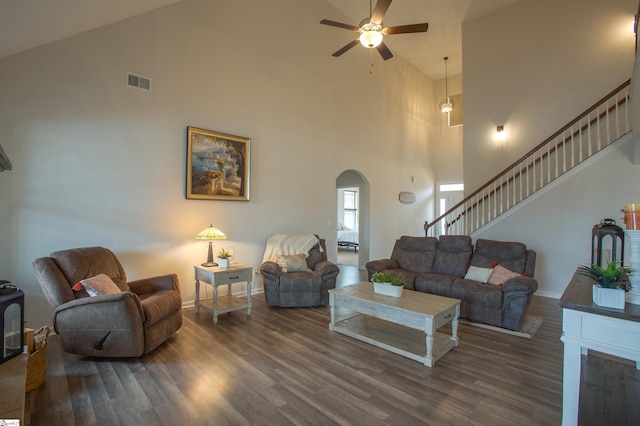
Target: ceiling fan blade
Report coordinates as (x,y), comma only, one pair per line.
(404,29)
(384,51)
(339,25)
(345,48)
(379,11)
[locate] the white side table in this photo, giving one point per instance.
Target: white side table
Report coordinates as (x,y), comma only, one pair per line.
(216,276)
(586,326)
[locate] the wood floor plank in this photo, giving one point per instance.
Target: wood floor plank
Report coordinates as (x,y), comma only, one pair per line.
(285,367)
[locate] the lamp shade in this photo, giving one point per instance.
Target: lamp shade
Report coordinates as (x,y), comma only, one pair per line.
(211,233)
(446,105)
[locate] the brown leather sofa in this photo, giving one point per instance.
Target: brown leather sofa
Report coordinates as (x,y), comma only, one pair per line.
(127,323)
(439,265)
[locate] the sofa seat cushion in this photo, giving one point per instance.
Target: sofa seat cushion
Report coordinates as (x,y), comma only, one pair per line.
(415,254)
(475,293)
(300,282)
(158,305)
(439,284)
(511,255)
(299,289)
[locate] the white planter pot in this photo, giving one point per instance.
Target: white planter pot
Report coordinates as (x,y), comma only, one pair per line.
(608,297)
(223,263)
(388,289)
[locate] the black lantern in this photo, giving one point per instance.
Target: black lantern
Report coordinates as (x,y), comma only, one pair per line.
(11,321)
(600,243)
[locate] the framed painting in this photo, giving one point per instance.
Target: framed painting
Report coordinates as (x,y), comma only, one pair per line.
(217,165)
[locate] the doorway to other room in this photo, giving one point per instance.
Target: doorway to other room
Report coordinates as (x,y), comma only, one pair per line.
(352,219)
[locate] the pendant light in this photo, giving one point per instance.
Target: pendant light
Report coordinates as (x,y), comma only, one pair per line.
(446,105)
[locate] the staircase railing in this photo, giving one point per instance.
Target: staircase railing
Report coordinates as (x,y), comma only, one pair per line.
(596,128)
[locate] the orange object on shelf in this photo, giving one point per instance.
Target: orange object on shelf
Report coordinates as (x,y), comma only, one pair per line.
(632,216)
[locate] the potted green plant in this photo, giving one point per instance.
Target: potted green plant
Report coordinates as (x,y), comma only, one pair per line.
(383,283)
(223,258)
(611,283)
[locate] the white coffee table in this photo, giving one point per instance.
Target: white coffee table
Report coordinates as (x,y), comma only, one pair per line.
(403,325)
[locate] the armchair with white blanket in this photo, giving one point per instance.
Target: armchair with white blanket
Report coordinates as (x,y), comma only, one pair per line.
(295,271)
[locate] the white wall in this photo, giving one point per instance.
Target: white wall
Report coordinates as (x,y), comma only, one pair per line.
(558,224)
(97,163)
(534,66)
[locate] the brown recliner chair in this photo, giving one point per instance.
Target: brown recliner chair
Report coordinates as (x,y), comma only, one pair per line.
(301,288)
(129,323)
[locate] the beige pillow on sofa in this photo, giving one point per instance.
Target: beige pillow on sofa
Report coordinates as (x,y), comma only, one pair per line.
(100,284)
(481,275)
(293,263)
(501,274)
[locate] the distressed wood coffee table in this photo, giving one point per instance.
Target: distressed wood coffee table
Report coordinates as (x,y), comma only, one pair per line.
(403,325)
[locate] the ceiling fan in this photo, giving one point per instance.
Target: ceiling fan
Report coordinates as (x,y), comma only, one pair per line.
(372,32)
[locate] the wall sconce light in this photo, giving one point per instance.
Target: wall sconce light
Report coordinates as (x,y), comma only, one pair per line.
(500,133)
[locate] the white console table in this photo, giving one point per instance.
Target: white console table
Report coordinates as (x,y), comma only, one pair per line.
(586,325)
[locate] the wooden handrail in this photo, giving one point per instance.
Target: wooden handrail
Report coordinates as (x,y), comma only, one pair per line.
(534,150)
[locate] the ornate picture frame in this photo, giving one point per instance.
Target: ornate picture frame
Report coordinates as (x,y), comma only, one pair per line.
(218,166)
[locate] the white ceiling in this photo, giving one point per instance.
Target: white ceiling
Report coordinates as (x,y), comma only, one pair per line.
(25,24)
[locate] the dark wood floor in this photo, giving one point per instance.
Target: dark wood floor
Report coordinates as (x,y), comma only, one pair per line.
(283,366)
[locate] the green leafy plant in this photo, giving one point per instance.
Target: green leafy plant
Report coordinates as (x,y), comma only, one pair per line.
(610,277)
(224,254)
(384,277)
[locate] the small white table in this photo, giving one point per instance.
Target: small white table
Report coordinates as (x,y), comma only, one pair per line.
(403,325)
(216,276)
(586,326)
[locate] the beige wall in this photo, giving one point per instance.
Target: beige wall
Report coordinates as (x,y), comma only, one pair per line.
(533,66)
(447,141)
(97,163)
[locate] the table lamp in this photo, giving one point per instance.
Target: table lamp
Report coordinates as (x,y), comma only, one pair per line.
(210,233)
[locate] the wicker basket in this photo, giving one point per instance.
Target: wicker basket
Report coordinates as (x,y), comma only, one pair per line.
(37,364)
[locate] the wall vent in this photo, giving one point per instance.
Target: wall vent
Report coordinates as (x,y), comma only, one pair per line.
(139,82)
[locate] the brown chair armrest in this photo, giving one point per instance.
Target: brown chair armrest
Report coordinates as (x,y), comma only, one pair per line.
(380,265)
(270,270)
(153,284)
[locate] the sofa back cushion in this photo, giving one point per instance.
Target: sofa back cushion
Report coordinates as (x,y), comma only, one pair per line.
(415,254)
(79,263)
(453,255)
(317,254)
(511,255)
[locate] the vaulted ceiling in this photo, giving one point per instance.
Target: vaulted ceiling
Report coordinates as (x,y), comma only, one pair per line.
(25,24)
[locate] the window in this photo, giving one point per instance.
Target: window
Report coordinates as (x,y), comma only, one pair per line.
(350,210)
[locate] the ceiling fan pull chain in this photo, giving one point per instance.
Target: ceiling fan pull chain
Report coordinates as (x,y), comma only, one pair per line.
(371,57)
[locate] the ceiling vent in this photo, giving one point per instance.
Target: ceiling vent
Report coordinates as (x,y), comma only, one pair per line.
(139,82)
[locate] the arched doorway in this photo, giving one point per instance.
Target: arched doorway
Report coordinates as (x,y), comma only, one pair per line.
(354,187)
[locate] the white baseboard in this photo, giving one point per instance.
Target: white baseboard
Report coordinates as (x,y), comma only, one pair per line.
(548,294)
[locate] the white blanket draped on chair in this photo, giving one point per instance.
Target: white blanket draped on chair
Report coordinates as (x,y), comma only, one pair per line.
(285,244)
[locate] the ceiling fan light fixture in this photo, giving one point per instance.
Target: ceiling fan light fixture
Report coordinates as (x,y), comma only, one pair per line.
(370,39)
(371,35)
